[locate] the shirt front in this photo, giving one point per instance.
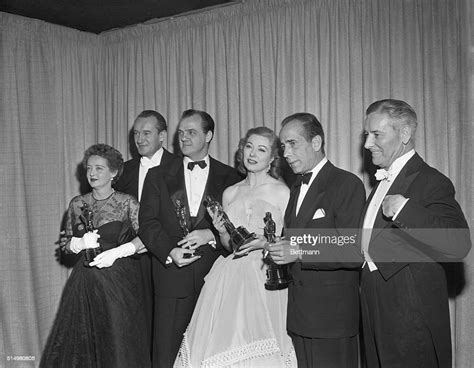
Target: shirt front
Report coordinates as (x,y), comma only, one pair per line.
(195,181)
(376,202)
(305,187)
(146,164)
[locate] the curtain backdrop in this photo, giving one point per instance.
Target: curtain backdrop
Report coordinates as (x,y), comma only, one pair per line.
(47,115)
(247,64)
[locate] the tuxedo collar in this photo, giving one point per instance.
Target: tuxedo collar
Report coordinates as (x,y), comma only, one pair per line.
(312,199)
(400,185)
(406,176)
(177,187)
(174,178)
(155,160)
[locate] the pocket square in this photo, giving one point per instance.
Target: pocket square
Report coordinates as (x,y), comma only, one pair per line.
(319,213)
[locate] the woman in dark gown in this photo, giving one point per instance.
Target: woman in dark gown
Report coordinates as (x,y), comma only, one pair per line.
(100,320)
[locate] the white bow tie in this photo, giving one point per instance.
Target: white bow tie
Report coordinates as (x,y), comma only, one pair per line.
(382,174)
(146,162)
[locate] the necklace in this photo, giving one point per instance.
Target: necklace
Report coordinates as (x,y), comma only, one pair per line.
(103,199)
(95,205)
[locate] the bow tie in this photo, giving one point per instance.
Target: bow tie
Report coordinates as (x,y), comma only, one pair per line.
(303,179)
(202,164)
(382,174)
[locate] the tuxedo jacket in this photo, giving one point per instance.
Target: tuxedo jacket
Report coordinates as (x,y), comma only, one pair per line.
(323,300)
(128,181)
(429,229)
(160,230)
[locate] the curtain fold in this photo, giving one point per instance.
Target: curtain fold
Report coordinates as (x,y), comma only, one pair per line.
(47,108)
(247,64)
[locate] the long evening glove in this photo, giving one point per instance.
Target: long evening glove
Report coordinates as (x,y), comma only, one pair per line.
(89,240)
(107,258)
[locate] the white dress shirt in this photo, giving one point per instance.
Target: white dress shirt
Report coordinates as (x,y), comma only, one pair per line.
(305,187)
(376,202)
(195,180)
(146,164)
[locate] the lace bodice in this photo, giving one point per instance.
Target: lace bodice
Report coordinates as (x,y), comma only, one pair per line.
(250,214)
(119,207)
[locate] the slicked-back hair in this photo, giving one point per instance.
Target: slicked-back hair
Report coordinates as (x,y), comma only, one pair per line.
(160,120)
(110,154)
(207,122)
(397,110)
(311,126)
(275,166)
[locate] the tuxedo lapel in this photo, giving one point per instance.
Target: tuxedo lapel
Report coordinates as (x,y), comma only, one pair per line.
(367,202)
(312,199)
(290,212)
(135,168)
(403,181)
(400,186)
(167,157)
(134,173)
(211,188)
(311,202)
(177,187)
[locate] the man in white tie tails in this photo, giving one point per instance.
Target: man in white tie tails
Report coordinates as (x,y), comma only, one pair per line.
(149,132)
(411,222)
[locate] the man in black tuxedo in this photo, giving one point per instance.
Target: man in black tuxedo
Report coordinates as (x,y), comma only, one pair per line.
(149,132)
(323,300)
(180,264)
(411,222)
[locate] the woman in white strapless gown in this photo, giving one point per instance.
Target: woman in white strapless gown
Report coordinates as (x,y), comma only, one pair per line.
(237,322)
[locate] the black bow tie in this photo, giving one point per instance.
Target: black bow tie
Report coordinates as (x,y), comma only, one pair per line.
(202,164)
(303,179)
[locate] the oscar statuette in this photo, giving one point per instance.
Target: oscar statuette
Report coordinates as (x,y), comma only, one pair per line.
(238,236)
(278,276)
(181,214)
(180,210)
(87,218)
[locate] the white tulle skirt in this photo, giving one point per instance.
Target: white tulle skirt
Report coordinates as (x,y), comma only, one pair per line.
(237,322)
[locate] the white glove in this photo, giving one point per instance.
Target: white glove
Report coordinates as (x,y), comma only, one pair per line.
(89,240)
(107,258)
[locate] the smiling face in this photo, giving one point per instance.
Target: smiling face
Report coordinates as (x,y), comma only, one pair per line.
(257,153)
(147,137)
(99,174)
(386,140)
(302,155)
(193,141)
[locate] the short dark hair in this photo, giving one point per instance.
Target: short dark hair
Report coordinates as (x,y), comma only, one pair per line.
(160,120)
(311,125)
(275,166)
(207,121)
(397,110)
(110,154)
